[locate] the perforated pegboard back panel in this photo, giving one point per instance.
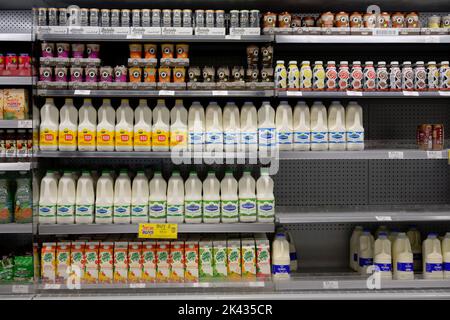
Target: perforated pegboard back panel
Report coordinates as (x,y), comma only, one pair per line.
(16,21)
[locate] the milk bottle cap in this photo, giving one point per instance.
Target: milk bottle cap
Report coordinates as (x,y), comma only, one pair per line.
(432,235)
(444,62)
(123,171)
(280,235)
(264,171)
(280,61)
(292,62)
(431,62)
(382,235)
(381,63)
(356,62)
(228,172)
(193,173)
(365,230)
(175,173)
(359,228)
(420,62)
(401,234)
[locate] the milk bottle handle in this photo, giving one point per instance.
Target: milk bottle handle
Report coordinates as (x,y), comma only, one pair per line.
(357,120)
(338,117)
(320,121)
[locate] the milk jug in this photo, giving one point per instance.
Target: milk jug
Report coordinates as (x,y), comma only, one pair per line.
(104,201)
(416,247)
(432,257)
(381,229)
(214,128)
(231,128)
(302,127)
(211,199)
(249,127)
(402,258)
(106,126)
(48,198)
(319,127)
(292,252)
(265,199)
(87,127)
(193,204)
(68,126)
(196,127)
(284,126)
(266,127)
(175,199)
(85,200)
(247,198)
(446,255)
(365,251)
(65,210)
(139,198)
(124,127)
(161,127)
(142,127)
(354,244)
(280,257)
(354,127)
(336,127)
(122,198)
(157,201)
(178,126)
(229,198)
(49,126)
(383,256)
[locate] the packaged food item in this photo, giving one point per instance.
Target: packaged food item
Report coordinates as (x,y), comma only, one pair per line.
(370,20)
(244,18)
(398,20)
(135,74)
(252,55)
(167,50)
(205,259)
(182,51)
(395,77)
(200,18)
(15,104)
(412,20)
(162,261)
(220,18)
(120,262)
(115,18)
(78,50)
(432,76)
(146,18)
(306,76)
(62,50)
(208,74)
(156,17)
(91,74)
(91,252)
(149,74)
(438,136)
(267,55)
(76,74)
(407,76)
(187,18)
(166,18)
(135,262)
(135,50)
(327,19)
(77,258)
(120,74)
(331,76)
(220,258)
(280,75)
(11,61)
(382,76)
(105,19)
(284,20)
(446,21)
(179,75)
(420,76)
(234,259)
(384,20)
(135,18)
(434,21)
(177,261)
(223,74)
(48,262)
(2,103)
(318,76)
(125,17)
(262,256)
(444,75)
(47,50)
(106,262)
(93,50)
(424,136)
(149,261)
(150,50)
(267,74)
(11,144)
(369,76)
(356,20)
(356,76)
(308,22)
(191,260)
(194,74)
(341,20)
(61,74)
(164,74)
(93,17)
(23,197)
(237,73)
(252,74)
(106,74)
(62,261)
(248,258)
(343,75)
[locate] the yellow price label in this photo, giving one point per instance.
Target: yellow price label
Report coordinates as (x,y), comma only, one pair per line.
(158,230)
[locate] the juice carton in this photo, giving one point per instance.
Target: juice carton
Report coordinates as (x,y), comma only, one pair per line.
(220,258)
(134,262)
(149,261)
(205,259)
(62,260)
(120,262)
(91,253)
(234,258)
(77,258)
(48,261)
(162,261)
(177,259)
(262,256)
(248,254)
(191,258)
(106,262)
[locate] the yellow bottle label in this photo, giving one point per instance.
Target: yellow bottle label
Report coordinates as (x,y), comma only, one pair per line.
(105,138)
(86,137)
(178,138)
(160,138)
(67,137)
(48,137)
(142,138)
(124,138)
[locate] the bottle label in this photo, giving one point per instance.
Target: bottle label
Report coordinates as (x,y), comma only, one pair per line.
(285,137)
(105,138)
(337,137)
(266,137)
(249,138)
(139,210)
(157,209)
(384,267)
(84,210)
(355,136)
(121,211)
(47,211)
(211,208)
(64,211)
(214,138)
(433,267)
(230,138)
(67,137)
(230,208)
(178,138)
(247,207)
(196,138)
(103,212)
(281,269)
(175,210)
(319,137)
(365,262)
(124,138)
(446,266)
(48,137)
(142,138)
(302,137)
(160,138)
(405,266)
(193,209)
(86,137)
(266,208)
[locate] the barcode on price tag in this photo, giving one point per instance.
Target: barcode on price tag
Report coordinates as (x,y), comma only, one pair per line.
(411,93)
(395,154)
(52,286)
(82,92)
(166,92)
(330,285)
(20,288)
(354,93)
(383,218)
(220,93)
(294,93)
(137,285)
(434,154)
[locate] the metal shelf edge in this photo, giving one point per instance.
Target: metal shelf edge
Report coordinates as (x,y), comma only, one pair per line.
(16,228)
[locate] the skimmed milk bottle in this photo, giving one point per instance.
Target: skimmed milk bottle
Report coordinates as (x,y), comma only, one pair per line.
(142,127)
(402,258)
(175,198)
(249,127)
(229,198)
(68,126)
(104,201)
(65,212)
(265,200)
(48,198)
(336,127)
(302,127)
(432,257)
(87,127)
(157,201)
(106,126)
(247,198)
(214,128)
(85,200)
(266,127)
(193,199)
(139,198)
(49,126)
(211,199)
(354,127)
(122,198)
(280,257)
(124,127)
(383,256)
(284,127)
(196,127)
(161,127)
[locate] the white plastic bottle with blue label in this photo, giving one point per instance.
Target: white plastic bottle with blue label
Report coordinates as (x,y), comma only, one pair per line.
(265,199)
(267,139)
(65,210)
(231,128)
(175,199)
(214,128)
(85,200)
(193,204)
(416,247)
(365,251)
(383,256)
(402,258)
(48,198)
(157,201)
(249,127)
(280,257)
(229,199)
(211,199)
(336,127)
(284,126)
(432,257)
(142,135)
(446,255)
(302,127)
(247,198)
(160,127)
(122,198)
(104,200)
(139,198)
(68,126)
(106,126)
(319,127)
(354,245)
(354,127)
(196,127)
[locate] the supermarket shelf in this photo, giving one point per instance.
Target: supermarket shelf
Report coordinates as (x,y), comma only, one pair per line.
(395,213)
(363,94)
(16,228)
(19,81)
(13,124)
(23,37)
(356,39)
(15,166)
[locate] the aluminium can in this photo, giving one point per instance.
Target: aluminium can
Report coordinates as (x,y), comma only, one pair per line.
(42,16)
(234,18)
(125,15)
(220,19)
(167,18)
(244,18)
(52,16)
(84,17)
(254,19)
(156,18)
(93,17)
(115,18)
(62,17)
(200,18)
(187,18)
(105,22)
(209,19)
(177,18)
(136,18)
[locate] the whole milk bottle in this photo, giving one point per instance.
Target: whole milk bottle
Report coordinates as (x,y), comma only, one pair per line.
(301,127)
(432,257)
(85,200)
(281,260)
(247,198)
(319,127)
(267,139)
(175,198)
(416,247)
(104,200)
(142,127)
(87,127)
(336,127)
(249,127)
(48,129)
(124,127)
(402,258)
(446,255)
(284,126)
(354,245)
(178,126)
(354,127)
(383,256)
(48,198)
(65,208)
(139,198)
(157,201)
(265,199)
(106,126)
(211,199)
(193,199)
(365,251)
(213,127)
(161,127)
(68,126)
(122,198)
(229,198)
(231,128)
(196,127)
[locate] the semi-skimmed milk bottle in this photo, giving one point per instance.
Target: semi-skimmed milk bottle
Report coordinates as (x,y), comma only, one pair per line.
(284,126)
(68,126)
(231,127)
(122,198)
(213,127)
(157,201)
(365,251)
(382,257)
(266,127)
(446,255)
(193,204)
(178,126)
(142,127)
(139,198)
(104,200)
(354,245)
(354,127)
(402,258)
(432,257)
(336,127)
(175,199)
(265,199)
(249,127)
(416,247)
(302,127)
(106,126)
(196,127)
(247,198)
(229,198)
(49,126)
(211,198)
(319,127)
(87,127)
(161,127)
(48,198)
(280,257)
(124,127)
(65,209)
(85,199)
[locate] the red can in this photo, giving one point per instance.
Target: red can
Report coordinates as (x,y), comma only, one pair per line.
(438,136)
(11,61)
(424,136)
(24,61)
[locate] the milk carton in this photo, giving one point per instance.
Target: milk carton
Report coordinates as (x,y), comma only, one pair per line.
(446,255)
(65,210)
(175,199)
(87,127)
(211,199)
(48,198)
(68,126)
(231,127)
(432,257)
(196,127)
(214,128)
(354,244)
(382,256)
(220,258)
(106,126)
(267,138)
(161,127)
(162,261)
(48,262)
(142,127)
(177,261)
(229,198)
(157,201)
(149,261)
(139,198)
(106,262)
(48,129)
(248,254)
(62,261)
(178,126)
(77,258)
(135,262)
(301,127)
(319,127)
(265,199)
(104,201)
(234,259)
(280,257)
(122,198)
(402,258)
(336,127)
(193,204)
(91,252)
(124,129)
(284,126)
(365,251)
(247,198)
(354,127)
(249,127)
(120,262)
(205,261)
(416,247)
(191,252)
(85,199)
(262,256)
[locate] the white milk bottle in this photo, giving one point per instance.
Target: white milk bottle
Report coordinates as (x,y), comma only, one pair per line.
(416,247)
(84,209)
(122,198)
(104,201)
(365,251)
(229,198)
(265,199)
(231,127)
(68,126)
(87,127)
(157,201)
(65,209)
(266,127)
(292,252)
(432,257)
(213,127)
(139,198)
(178,126)
(106,126)
(446,255)
(302,127)
(124,127)
(211,199)
(49,126)
(48,198)
(247,198)
(249,127)
(196,127)
(354,127)
(336,127)
(319,127)
(402,258)
(284,126)
(354,245)
(175,199)
(193,199)
(280,257)
(161,127)
(383,256)
(142,127)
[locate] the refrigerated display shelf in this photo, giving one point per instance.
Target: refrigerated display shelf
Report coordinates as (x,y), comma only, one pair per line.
(363,39)
(13,124)
(15,166)
(362,94)
(19,81)
(16,228)
(22,37)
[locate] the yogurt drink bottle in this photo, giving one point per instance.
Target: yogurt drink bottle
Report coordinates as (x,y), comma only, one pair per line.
(193,204)
(306,76)
(266,127)
(247,198)
(68,126)
(354,245)
(175,199)
(85,199)
(211,199)
(383,256)
(48,198)
(231,127)
(65,209)
(178,126)
(229,198)
(265,199)
(336,127)
(106,126)
(196,127)
(280,75)
(446,255)
(142,127)
(354,127)
(49,126)
(318,76)
(249,127)
(124,127)
(122,198)
(161,127)
(402,258)
(416,247)
(301,127)
(319,127)
(284,128)
(139,198)
(214,129)
(87,127)
(280,257)
(104,201)
(157,201)
(293,76)
(365,251)
(432,257)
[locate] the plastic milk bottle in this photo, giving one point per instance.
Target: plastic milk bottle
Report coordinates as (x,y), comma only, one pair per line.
(231,128)
(106,126)
(302,127)
(284,126)
(365,251)
(178,126)
(142,127)
(382,256)
(432,257)
(354,245)
(247,198)
(193,205)
(49,126)
(68,126)
(48,198)
(87,127)
(85,199)
(175,199)
(211,199)
(214,128)
(265,199)
(354,127)
(266,127)
(319,127)
(229,198)
(122,198)
(416,247)
(402,258)
(104,201)
(280,257)
(336,127)
(446,255)
(65,212)
(124,127)
(161,127)
(139,198)
(196,126)
(249,127)
(157,201)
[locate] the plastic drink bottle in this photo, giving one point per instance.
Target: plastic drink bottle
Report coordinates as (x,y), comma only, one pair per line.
(301,127)
(249,127)
(68,126)
(214,128)
(265,199)
(87,127)
(266,127)
(49,126)
(284,126)
(306,76)
(292,252)
(446,255)
(293,82)
(354,127)
(175,199)
(106,126)
(402,258)
(365,251)
(178,126)
(432,257)
(354,244)
(383,256)
(124,127)
(139,198)
(85,200)
(196,127)
(229,198)
(122,198)
(104,201)
(247,198)
(48,198)
(416,247)
(211,199)
(161,127)
(157,201)
(193,204)
(142,127)
(280,75)
(231,128)
(65,210)
(336,127)
(280,257)
(319,127)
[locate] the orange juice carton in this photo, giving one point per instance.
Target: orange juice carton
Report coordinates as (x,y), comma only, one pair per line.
(162,261)
(77,258)
(262,256)
(62,260)
(91,253)
(134,262)
(106,262)
(220,258)
(149,261)
(248,256)
(120,262)
(191,260)
(177,261)
(234,258)
(48,261)
(205,251)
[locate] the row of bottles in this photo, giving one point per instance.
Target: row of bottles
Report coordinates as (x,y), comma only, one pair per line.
(110,199)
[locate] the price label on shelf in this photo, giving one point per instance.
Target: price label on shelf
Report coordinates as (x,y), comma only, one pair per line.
(158,230)
(411,93)
(82,92)
(137,285)
(20,288)
(166,92)
(444,93)
(52,286)
(355,93)
(383,218)
(385,32)
(330,285)
(434,155)
(395,154)
(24,124)
(134,36)
(294,93)
(232,37)
(220,93)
